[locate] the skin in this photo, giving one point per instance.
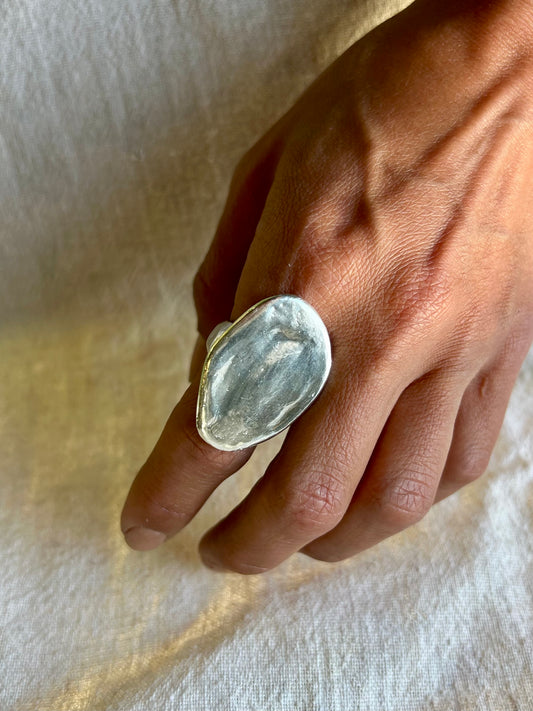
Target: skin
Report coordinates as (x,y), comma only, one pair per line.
(396,196)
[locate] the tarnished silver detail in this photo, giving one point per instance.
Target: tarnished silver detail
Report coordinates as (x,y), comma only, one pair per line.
(261,372)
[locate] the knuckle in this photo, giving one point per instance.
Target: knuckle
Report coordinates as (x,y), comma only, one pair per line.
(466,348)
(416,300)
(410,309)
(407,500)
(316,506)
(474,461)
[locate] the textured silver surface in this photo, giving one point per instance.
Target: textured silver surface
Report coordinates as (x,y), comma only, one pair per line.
(262,372)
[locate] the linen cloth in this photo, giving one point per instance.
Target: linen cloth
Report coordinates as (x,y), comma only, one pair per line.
(120,123)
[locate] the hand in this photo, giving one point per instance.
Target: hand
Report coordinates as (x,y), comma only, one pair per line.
(396,196)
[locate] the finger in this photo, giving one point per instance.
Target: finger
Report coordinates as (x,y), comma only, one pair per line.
(480,419)
(197,359)
(216,280)
(151,513)
(307,487)
(177,478)
(402,477)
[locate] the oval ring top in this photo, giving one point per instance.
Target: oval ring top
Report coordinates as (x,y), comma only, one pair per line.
(261,372)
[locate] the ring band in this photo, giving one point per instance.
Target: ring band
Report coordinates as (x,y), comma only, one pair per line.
(261,372)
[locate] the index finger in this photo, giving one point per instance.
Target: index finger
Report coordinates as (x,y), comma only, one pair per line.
(177,478)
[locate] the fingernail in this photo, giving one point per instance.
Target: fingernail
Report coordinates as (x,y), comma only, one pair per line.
(143,539)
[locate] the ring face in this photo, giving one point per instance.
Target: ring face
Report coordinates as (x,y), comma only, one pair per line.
(261,372)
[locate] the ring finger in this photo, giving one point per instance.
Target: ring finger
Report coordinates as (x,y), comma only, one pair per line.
(401,480)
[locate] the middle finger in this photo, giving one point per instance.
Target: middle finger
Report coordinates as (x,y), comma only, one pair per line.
(308,486)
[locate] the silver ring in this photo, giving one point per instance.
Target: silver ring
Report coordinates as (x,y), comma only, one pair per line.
(261,372)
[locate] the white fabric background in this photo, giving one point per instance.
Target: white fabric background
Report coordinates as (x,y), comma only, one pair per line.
(120,122)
